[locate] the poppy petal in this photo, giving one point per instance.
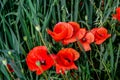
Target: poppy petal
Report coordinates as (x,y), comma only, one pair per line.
(75,26)
(81,32)
(102,30)
(73,66)
(59,27)
(39,71)
(118,10)
(63,25)
(86,46)
(31,63)
(69,31)
(117,15)
(59,32)
(62,69)
(57,37)
(98,42)
(76,54)
(54,35)
(89,37)
(49,62)
(94,30)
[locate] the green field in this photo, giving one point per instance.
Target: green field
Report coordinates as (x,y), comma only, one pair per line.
(23,25)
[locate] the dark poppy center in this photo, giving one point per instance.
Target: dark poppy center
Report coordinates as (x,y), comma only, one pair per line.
(68,60)
(84,39)
(43,62)
(100,34)
(40,62)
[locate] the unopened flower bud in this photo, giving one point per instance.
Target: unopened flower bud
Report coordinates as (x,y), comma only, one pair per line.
(9,52)
(4,62)
(37,27)
(25,38)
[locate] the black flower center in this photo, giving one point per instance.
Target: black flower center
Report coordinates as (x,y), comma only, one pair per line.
(101,35)
(84,39)
(68,60)
(43,62)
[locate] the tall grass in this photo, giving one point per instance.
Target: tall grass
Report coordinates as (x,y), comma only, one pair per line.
(23,25)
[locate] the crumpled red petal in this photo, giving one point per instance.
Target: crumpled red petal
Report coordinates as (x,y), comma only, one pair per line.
(62,30)
(89,37)
(62,69)
(86,46)
(80,33)
(75,26)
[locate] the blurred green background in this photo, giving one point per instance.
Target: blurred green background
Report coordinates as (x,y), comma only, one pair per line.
(23,25)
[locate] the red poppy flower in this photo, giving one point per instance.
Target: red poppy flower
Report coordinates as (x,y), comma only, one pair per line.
(38,60)
(65,60)
(66,32)
(117,15)
(100,34)
(87,40)
(61,31)
(10,68)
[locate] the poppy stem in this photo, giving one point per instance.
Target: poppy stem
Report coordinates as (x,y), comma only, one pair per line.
(10,72)
(44,74)
(42,38)
(43,41)
(64,77)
